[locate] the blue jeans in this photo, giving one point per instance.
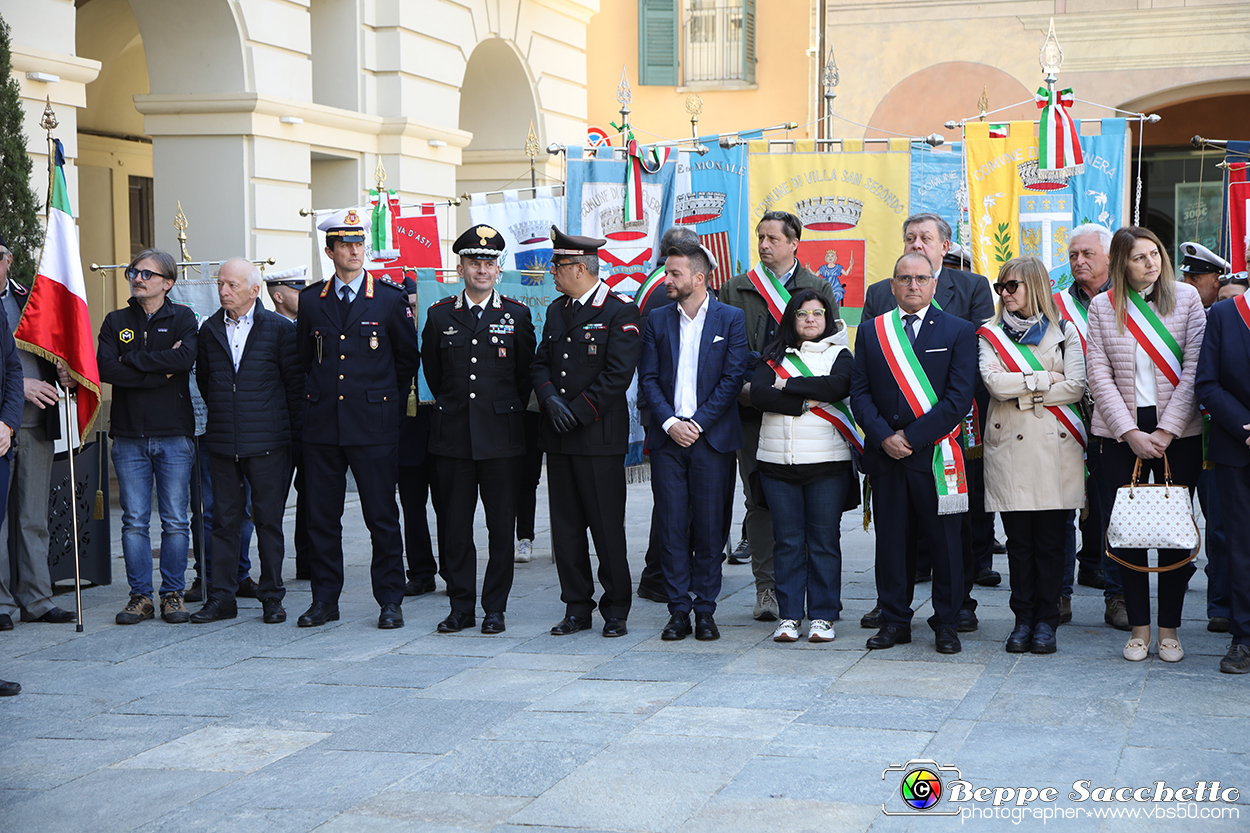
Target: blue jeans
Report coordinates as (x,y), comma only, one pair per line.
(807,545)
(169,460)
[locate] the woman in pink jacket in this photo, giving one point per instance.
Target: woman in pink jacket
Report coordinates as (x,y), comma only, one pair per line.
(1144,338)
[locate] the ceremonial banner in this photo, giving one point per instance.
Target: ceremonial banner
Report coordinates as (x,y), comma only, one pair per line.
(1237,201)
(712,199)
(851,202)
(1015,211)
(595,190)
(414,231)
(525,225)
(937,185)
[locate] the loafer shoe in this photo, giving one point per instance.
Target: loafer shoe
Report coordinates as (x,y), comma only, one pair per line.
(967,621)
(614,627)
(391,617)
(705,628)
(318,614)
(1043,641)
(873,619)
(6,622)
(215,610)
(571,624)
(651,594)
(1218,624)
(787,631)
(678,627)
(248,589)
(55,616)
(457,621)
(889,636)
(1170,650)
(1018,642)
(989,578)
(493,622)
(275,613)
(1237,660)
(1135,650)
(419,588)
(946,640)
(1065,610)
(8,689)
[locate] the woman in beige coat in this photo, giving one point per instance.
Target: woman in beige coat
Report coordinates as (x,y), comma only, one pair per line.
(1142,411)
(1034,368)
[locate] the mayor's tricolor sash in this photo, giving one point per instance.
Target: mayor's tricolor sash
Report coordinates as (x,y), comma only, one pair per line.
(655,279)
(1146,326)
(970,426)
(838,414)
(1243,308)
(948,457)
(1016,358)
(1071,309)
(774,291)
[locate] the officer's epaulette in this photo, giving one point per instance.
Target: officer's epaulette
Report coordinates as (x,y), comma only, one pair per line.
(620,296)
(313,287)
(389,281)
(511,300)
(444,300)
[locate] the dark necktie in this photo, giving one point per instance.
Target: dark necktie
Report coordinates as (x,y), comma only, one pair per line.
(476,310)
(908,321)
(345,299)
(570,311)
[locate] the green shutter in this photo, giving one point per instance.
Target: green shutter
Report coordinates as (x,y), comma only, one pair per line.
(658,39)
(748,41)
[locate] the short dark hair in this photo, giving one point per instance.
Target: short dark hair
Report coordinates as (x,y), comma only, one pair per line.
(789,223)
(168,266)
(695,255)
(788,331)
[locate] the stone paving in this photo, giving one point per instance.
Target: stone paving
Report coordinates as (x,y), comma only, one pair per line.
(244,726)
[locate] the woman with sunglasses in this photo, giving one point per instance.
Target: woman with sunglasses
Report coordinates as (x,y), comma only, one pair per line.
(805,461)
(1034,369)
(1144,339)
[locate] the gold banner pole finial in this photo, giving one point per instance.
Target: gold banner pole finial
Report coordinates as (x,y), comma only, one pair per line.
(1051,57)
(829,78)
(531,150)
(180,223)
(379,176)
(624,95)
(983,103)
(49,123)
(694,106)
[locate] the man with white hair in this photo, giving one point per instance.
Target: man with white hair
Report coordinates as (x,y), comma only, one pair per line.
(248,372)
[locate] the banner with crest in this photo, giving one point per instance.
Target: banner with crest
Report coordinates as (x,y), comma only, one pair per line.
(412,241)
(525,225)
(712,199)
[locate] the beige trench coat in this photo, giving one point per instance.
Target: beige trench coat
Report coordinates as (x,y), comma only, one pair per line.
(1032,461)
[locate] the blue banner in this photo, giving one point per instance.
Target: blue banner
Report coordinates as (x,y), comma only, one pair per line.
(712,197)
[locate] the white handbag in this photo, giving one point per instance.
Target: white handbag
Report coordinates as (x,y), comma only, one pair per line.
(1153,516)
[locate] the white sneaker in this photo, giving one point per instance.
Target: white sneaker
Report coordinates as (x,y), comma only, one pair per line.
(524,548)
(787,631)
(765,605)
(821,630)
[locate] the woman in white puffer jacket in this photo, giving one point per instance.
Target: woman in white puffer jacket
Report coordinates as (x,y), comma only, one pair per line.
(804,462)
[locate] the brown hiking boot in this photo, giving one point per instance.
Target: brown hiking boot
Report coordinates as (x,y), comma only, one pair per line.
(1117,615)
(172,609)
(136,610)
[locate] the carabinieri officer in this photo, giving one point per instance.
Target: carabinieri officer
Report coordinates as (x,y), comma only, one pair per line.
(358,348)
(478,346)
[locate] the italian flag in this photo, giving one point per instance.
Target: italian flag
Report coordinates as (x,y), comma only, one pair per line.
(56,323)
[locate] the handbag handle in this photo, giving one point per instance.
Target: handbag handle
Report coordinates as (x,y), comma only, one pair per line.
(1148,569)
(1167,474)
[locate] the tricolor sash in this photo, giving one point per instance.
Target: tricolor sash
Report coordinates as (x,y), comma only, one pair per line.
(1072,310)
(909,375)
(1016,358)
(653,280)
(1058,140)
(1146,326)
(838,414)
(639,161)
(970,427)
(1243,308)
(774,291)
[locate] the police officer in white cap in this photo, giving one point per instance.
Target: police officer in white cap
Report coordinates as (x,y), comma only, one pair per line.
(1201,268)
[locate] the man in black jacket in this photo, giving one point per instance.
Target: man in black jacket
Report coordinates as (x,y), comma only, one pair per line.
(248,372)
(146,352)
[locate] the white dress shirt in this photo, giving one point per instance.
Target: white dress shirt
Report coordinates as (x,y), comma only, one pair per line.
(686,387)
(237,330)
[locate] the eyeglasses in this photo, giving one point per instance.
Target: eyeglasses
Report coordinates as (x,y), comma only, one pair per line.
(1010,286)
(555,267)
(144,275)
(805,314)
(918,280)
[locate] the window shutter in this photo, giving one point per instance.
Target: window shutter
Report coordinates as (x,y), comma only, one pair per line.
(658,39)
(748,41)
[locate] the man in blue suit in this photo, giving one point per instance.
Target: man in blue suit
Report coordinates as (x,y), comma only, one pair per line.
(694,356)
(1224,388)
(899,447)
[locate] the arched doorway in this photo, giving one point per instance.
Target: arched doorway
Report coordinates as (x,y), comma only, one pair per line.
(923,101)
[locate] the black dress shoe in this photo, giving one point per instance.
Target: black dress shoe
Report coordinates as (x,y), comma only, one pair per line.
(1089,577)
(1018,642)
(873,620)
(947,641)
(457,621)
(741,553)
(248,589)
(215,610)
(967,620)
(705,627)
(988,578)
(55,616)
(889,636)
(614,627)
(492,622)
(419,588)
(275,613)
(318,614)
(1000,548)
(571,624)
(678,627)
(8,689)
(651,594)
(1043,640)
(392,616)
(6,622)
(195,593)
(924,575)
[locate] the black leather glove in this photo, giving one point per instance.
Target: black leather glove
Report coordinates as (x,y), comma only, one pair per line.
(561,415)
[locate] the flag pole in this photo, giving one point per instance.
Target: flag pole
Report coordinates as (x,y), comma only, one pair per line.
(71,401)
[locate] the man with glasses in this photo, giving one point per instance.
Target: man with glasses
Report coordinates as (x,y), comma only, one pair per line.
(583,366)
(762,294)
(146,352)
(911,448)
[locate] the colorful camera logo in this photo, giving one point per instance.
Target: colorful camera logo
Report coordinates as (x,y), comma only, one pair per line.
(922,789)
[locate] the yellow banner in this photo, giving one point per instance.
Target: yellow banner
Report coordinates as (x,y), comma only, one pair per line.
(851,203)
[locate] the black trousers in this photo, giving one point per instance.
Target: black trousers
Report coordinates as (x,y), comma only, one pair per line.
(1234,485)
(1185,458)
(588,492)
(415,488)
(375,468)
(303,543)
(268,475)
(461,482)
(1035,542)
(529,472)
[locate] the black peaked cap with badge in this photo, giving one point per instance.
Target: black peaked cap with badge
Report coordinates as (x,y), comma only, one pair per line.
(572,246)
(1197,259)
(481,242)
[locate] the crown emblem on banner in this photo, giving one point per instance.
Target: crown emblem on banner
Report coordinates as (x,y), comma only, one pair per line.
(1036,180)
(530,231)
(829,213)
(699,207)
(613,226)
